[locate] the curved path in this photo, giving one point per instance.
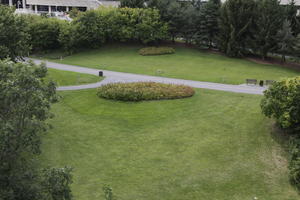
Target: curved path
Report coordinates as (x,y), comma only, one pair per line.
(113,77)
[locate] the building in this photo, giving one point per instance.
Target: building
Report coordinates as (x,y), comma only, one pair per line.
(286,2)
(49,6)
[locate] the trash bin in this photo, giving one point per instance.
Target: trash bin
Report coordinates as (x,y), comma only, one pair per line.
(261,83)
(100,73)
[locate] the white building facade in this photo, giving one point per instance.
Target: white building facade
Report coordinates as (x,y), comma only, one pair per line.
(49,6)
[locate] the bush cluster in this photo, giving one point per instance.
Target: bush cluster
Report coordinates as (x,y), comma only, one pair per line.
(294,165)
(44,32)
(150,51)
(282,102)
(93,28)
(140,91)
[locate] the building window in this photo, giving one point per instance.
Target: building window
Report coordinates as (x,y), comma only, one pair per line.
(42,8)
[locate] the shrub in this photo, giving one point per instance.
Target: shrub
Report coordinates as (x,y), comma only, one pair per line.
(294,165)
(282,102)
(45,32)
(144,91)
(148,51)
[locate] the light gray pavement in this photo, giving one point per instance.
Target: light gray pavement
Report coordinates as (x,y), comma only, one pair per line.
(112,77)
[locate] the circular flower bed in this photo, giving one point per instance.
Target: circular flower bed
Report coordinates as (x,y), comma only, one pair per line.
(151,51)
(144,91)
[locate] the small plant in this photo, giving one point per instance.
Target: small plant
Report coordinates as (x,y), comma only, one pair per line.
(151,51)
(108,192)
(144,91)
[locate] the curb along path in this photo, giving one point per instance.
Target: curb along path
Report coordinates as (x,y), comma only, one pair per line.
(113,77)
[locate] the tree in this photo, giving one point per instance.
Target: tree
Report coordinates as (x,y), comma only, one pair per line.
(174,16)
(149,27)
(286,40)
(90,29)
(236,26)
(24,110)
(282,102)
(171,12)
(188,28)
(270,17)
(291,12)
(45,32)
(208,29)
(133,3)
(56,182)
(14,37)
(297,46)
(68,38)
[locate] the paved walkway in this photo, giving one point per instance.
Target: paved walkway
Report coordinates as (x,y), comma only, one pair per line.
(112,77)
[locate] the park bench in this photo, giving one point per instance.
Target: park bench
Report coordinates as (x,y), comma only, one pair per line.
(269,82)
(251,81)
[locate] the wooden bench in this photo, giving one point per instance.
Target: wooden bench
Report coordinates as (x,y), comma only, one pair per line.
(251,81)
(270,82)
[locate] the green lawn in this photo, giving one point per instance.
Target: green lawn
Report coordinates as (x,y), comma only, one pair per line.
(213,146)
(186,63)
(65,78)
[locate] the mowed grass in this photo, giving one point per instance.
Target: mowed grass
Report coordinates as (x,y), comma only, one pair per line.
(65,78)
(186,63)
(213,146)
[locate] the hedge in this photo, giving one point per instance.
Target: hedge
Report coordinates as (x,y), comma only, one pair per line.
(150,51)
(140,91)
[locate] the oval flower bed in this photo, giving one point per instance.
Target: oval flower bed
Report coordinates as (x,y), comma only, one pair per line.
(140,91)
(151,51)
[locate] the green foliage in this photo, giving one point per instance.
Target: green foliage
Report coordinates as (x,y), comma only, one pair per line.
(93,28)
(108,192)
(286,40)
(269,20)
(144,91)
(208,24)
(297,46)
(45,32)
(74,12)
(176,15)
(90,29)
(56,182)
(294,165)
(24,110)
(14,37)
(282,102)
(236,26)
(291,12)
(68,38)
(148,51)
(133,3)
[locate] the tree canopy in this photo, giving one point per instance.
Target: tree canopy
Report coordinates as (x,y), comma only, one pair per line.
(14,36)
(25,103)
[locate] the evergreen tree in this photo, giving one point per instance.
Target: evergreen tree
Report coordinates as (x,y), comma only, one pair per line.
(286,40)
(269,21)
(207,29)
(172,13)
(236,26)
(188,28)
(297,46)
(291,11)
